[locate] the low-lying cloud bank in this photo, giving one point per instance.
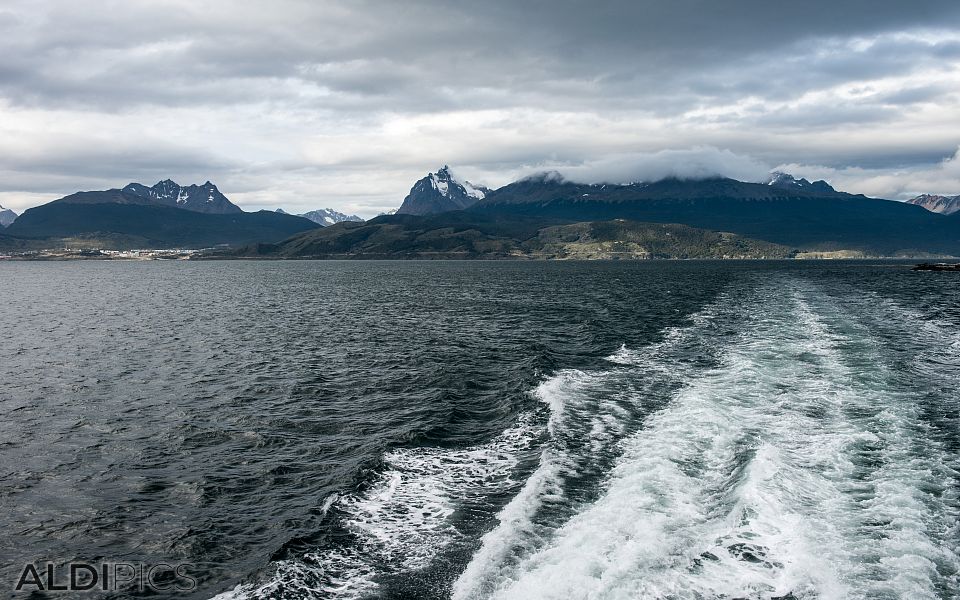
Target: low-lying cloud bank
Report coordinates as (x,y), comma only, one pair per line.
(900,184)
(693,163)
(702,162)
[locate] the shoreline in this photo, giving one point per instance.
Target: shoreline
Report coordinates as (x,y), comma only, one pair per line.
(453,257)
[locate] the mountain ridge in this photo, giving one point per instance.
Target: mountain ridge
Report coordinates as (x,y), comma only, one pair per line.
(204,198)
(944,205)
(126,226)
(164,216)
(787,181)
(806,217)
(784,211)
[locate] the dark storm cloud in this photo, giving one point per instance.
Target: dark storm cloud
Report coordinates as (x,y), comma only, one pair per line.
(406,55)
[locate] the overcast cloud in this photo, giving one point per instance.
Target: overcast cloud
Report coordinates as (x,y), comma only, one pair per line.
(307,104)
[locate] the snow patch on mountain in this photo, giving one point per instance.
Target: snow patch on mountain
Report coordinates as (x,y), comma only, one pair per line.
(441,185)
(474,192)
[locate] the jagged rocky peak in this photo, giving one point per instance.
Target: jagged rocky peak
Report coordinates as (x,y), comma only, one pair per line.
(441,192)
(787,181)
(167,189)
(945,205)
(328,216)
(7,216)
(204,198)
(443,179)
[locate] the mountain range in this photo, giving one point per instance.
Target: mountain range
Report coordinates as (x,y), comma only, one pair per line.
(163,216)
(781,216)
(539,216)
(818,218)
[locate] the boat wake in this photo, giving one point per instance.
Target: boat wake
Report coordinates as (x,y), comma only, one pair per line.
(798,467)
(785,443)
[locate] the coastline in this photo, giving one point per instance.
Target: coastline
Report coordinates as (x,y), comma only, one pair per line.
(195,256)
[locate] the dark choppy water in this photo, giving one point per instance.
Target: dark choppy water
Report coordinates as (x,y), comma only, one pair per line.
(487,430)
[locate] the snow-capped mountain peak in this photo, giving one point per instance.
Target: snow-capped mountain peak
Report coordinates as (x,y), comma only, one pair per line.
(945,205)
(443,178)
(441,192)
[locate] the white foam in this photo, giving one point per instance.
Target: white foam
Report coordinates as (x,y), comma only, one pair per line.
(589,410)
(623,356)
(518,533)
(799,464)
(750,483)
(402,520)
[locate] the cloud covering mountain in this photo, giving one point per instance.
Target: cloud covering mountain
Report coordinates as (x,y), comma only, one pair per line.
(692,163)
(359,99)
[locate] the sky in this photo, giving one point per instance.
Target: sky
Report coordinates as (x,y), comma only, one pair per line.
(309,104)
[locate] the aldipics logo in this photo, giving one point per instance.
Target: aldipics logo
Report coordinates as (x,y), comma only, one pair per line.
(106,577)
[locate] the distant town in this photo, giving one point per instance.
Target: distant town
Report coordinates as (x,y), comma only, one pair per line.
(96,254)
